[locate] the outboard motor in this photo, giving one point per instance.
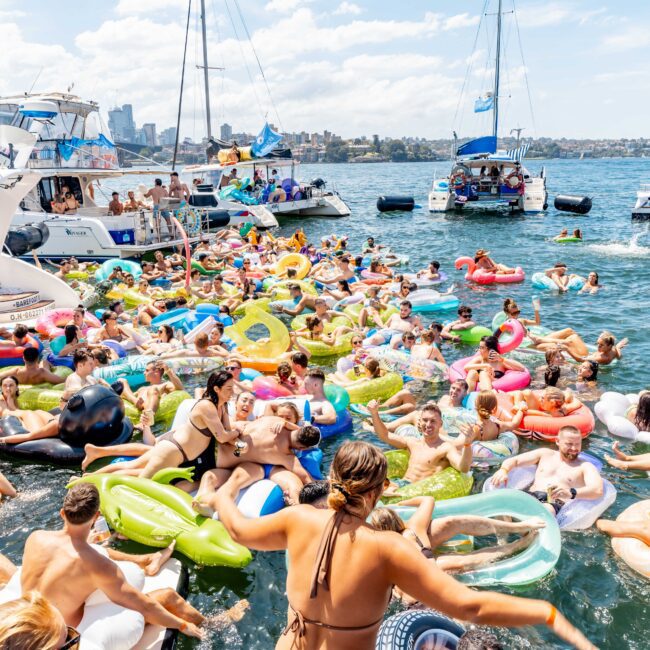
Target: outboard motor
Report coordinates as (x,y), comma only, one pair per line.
(575,204)
(27,238)
(318,183)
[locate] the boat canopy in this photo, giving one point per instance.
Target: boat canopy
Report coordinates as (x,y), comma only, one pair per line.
(479,146)
(260,162)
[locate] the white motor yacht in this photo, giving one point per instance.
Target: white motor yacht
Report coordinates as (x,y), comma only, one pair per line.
(641,209)
(26,291)
(74,153)
(290,197)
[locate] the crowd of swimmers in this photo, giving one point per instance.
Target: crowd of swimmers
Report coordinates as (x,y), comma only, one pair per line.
(376,553)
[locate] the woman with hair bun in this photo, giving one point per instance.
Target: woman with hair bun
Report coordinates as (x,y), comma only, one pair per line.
(346,557)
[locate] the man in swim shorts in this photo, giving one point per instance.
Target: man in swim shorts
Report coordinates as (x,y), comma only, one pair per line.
(64,567)
(560,476)
(270,445)
(396,325)
(429,454)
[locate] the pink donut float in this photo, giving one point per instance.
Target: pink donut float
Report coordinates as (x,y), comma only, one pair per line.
(268,388)
(486,277)
(53,322)
(512,380)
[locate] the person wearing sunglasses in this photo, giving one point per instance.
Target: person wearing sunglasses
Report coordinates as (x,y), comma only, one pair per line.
(66,569)
(464,322)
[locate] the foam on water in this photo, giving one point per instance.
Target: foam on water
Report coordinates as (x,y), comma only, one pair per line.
(618,249)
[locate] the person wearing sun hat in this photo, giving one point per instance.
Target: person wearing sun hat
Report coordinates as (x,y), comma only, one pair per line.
(484,262)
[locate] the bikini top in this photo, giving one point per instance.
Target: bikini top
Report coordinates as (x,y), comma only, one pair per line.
(207,432)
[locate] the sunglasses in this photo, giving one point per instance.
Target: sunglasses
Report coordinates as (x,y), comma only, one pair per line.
(72,640)
(515,311)
(357,342)
(230,368)
(466,314)
(410,338)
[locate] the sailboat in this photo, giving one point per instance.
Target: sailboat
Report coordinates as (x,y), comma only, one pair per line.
(288,196)
(483,176)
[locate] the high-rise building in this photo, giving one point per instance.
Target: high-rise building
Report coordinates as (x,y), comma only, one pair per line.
(226,132)
(327,137)
(150,133)
(167,137)
(121,124)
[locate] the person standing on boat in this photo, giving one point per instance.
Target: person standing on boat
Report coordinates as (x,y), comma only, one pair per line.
(115,207)
(178,190)
(156,193)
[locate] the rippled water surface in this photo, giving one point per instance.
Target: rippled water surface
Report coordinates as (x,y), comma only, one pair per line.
(590,584)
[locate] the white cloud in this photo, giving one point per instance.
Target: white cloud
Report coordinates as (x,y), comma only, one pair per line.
(348,8)
(544,15)
(282,6)
(629,39)
(460,20)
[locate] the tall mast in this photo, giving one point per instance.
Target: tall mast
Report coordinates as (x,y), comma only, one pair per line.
(205,68)
(495,125)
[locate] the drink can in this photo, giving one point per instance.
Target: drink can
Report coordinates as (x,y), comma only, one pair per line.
(101,531)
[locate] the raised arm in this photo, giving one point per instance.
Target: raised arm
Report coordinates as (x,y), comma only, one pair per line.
(380,428)
(460,458)
(423,580)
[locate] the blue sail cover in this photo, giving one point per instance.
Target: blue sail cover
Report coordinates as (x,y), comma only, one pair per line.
(487,144)
(67,149)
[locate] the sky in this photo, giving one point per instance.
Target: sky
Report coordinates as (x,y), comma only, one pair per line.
(363,67)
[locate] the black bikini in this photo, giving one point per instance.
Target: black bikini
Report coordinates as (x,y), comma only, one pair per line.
(169,436)
(425,550)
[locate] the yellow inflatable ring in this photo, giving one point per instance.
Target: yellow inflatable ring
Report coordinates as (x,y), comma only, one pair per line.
(296,261)
(322,349)
(353,312)
(381,388)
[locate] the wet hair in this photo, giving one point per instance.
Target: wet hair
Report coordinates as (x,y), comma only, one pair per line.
(80,356)
(432,407)
(428,336)
(108,315)
(552,375)
(15,380)
(215,380)
(314,491)
(436,327)
(492,342)
(479,639)
(21,331)
(70,332)
(593,365)
(300,359)
(373,367)
(435,264)
(30,355)
(308,435)
(357,468)
(508,304)
(597,278)
(461,382)
(169,332)
(202,340)
(284,370)
(608,338)
(29,623)
(642,417)
(386,519)
(81,503)
(345,286)
(486,402)
(554,395)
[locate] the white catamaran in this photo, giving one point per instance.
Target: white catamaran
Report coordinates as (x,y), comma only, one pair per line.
(483,176)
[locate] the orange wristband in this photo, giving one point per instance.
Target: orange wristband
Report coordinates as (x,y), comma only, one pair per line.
(469,444)
(183,626)
(551,616)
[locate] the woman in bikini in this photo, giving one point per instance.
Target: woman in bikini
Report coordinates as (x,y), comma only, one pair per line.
(31,420)
(427,348)
(488,365)
(208,419)
(491,419)
(345,556)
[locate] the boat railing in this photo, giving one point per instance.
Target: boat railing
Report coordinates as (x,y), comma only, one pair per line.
(644,187)
(61,154)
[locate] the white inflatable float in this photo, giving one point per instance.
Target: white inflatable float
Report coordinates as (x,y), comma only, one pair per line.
(577,514)
(612,409)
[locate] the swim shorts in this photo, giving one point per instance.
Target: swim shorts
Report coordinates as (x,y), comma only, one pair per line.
(542,497)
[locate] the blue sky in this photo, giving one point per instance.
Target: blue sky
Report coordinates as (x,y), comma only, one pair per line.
(355,68)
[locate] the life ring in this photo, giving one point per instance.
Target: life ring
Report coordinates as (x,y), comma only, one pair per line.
(514,180)
(191,222)
(458,180)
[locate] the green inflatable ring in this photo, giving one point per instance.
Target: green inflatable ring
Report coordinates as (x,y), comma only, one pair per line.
(447,484)
(381,388)
(60,371)
(473,334)
(195,264)
(166,411)
(529,566)
(568,240)
(300,321)
(337,396)
(39,399)
(153,513)
(353,312)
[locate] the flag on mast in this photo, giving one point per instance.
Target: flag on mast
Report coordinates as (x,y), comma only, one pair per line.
(265,141)
(484,103)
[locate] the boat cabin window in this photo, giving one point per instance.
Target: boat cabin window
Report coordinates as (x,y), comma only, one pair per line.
(8,113)
(51,186)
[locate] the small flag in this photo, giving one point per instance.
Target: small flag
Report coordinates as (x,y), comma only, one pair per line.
(483,104)
(265,141)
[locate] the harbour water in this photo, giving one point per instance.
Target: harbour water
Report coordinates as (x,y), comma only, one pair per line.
(590,585)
